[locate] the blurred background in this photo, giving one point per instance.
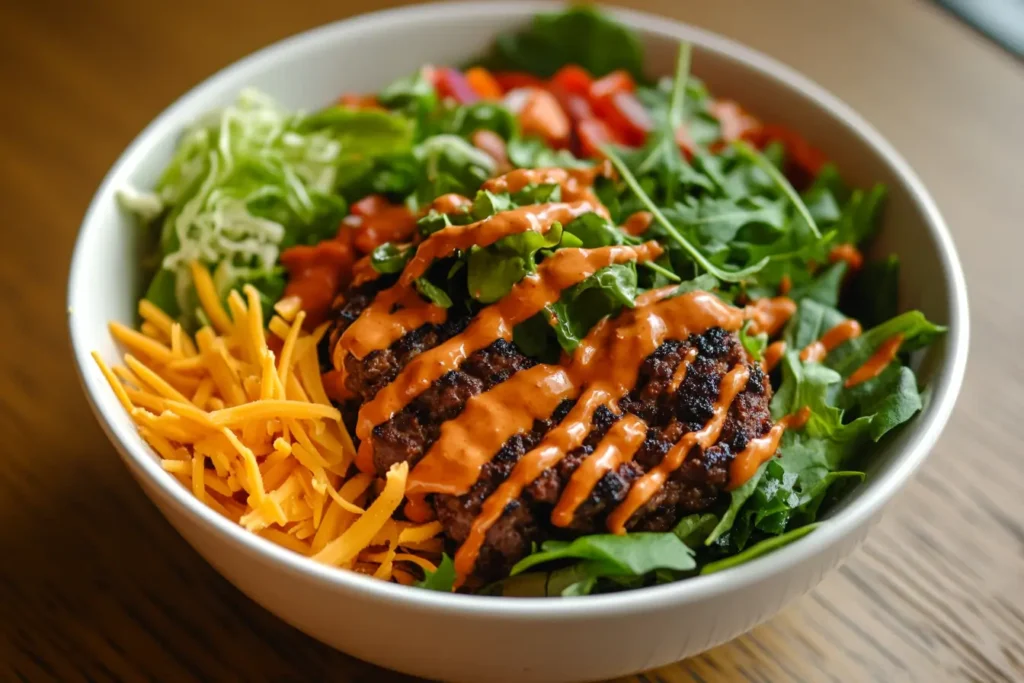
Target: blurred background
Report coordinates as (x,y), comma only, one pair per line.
(94,585)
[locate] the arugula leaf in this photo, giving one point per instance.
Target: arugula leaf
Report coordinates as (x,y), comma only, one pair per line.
(694,529)
(450,164)
(579,35)
(631,554)
(859,220)
(595,231)
(738,497)
(538,194)
(784,185)
(466,119)
(389,258)
(533,152)
(755,345)
(493,270)
(582,305)
(886,401)
(433,293)
(413,94)
(441,580)
(812,320)
(486,204)
(824,288)
(675,235)
(763,548)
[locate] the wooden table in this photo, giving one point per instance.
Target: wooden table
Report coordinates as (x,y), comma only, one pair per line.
(94,585)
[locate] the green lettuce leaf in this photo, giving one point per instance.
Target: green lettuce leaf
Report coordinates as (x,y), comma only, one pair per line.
(580,35)
(633,554)
(441,580)
(580,307)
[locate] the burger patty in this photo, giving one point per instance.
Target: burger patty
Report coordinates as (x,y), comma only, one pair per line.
(695,486)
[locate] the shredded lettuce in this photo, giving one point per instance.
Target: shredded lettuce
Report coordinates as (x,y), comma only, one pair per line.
(247,181)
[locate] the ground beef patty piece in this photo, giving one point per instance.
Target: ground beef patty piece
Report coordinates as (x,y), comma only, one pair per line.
(364,377)
(695,486)
(409,434)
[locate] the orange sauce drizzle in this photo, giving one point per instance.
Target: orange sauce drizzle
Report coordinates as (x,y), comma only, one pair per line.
(618,446)
(380,324)
(539,218)
(874,366)
(467,443)
(576,184)
(773,354)
(680,373)
(758,450)
(530,295)
(848,253)
(451,203)
(646,486)
(638,223)
(363,272)
(566,437)
(607,362)
(816,351)
(770,314)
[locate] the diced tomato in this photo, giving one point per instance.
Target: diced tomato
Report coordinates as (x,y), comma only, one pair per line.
(491,143)
(616,81)
(573,79)
(483,83)
(576,105)
(451,83)
(592,134)
(510,80)
(625,115)
(542,115)
(734,121)
(369,205)
(315,274)
(392,224)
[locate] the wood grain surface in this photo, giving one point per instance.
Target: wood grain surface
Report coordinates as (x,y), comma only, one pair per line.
(95,586)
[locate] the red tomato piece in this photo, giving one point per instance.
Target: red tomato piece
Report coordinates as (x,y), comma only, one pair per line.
(625,115)
(483,83)
(592,134)
(616,81)
(315,274)
(510,80)
(369,205)
(734,121)
(573,79)
(542,115)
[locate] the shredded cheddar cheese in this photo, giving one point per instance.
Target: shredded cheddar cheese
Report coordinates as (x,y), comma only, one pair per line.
(255,437)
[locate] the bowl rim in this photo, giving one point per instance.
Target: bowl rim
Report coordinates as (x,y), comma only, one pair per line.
(858,512)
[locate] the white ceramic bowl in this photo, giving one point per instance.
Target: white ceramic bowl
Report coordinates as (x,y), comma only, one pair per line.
(457,637)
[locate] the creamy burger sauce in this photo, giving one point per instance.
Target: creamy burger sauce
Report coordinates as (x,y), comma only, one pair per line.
(602,370)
